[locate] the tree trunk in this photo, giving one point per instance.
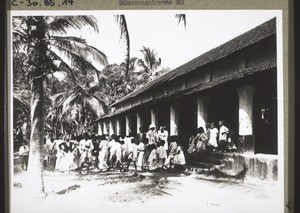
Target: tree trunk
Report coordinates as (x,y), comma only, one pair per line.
(35,163)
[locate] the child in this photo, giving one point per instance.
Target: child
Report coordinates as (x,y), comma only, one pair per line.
(133,153)
(161,154)
(152,160)
(179,159)
(173,150)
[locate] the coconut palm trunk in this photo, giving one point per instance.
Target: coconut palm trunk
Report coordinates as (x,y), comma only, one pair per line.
(35,168)
(35,58)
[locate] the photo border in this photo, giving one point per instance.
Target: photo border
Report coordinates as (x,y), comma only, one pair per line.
(287,63)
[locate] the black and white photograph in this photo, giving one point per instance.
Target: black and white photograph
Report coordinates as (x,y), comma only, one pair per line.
(146,111)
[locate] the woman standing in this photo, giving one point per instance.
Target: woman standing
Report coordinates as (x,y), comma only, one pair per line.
(103,154)
(213,142)
(201,139)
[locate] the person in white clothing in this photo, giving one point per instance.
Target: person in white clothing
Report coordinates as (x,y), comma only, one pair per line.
(213,131)
(103,154)
(223,134)
(141,151)
(152,160)
(163,135)
(24,153)
(85,148)
(133,154)
(161,154)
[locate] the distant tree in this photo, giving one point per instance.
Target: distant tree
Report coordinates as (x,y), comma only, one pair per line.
(40,38)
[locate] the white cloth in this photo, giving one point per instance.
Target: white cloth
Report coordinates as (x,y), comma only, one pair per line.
(24,150)
(151,135)
(133,150)
(59,154)
(85,149)
(162,155)
(164,136)
(223,133)
(152,160)
(103,155)
(141,149)
(179,157)
(115,150)
(213,137)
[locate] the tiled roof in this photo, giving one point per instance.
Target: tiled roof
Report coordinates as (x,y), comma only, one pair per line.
(246,39)
(271,64)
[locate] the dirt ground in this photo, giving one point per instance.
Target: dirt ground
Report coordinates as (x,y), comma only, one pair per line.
(145,192)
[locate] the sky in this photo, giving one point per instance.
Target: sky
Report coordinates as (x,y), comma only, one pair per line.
(159,30)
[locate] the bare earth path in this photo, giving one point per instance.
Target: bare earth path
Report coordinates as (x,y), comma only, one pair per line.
(145,192)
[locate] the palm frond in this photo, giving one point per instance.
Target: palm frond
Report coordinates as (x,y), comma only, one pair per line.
(60,24)
(69,103)
(121,20)
(70,38)
(79,49)
(181,18)
(19,39)
(63,64)
(96,105)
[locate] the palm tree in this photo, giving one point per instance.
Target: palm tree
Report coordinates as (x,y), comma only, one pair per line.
(41,38)
(121,20)
(83,106)
(150,62)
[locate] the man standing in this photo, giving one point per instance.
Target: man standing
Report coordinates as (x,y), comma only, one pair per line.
(151,134)
(141,136)
(24,152)
(85,148)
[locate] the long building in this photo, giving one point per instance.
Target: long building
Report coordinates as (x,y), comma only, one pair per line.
(235,82)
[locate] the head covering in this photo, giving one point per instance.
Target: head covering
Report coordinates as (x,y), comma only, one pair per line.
(152,126)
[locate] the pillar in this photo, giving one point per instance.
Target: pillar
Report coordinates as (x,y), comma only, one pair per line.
(118,126)
(100,130)
(154,117)
(111,127)
(202,108)
(174,118)
(127,126)
(138,122)
(245,117)
(105,131)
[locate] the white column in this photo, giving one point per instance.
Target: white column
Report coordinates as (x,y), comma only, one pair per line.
(111,127)
(174,115)
(138,122)
(105,128)
(245,109)
(100,131)
(153,117)
(127,126)
(202,103)
(118,126)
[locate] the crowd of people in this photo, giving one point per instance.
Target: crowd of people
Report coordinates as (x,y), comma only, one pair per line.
(212,139)
(153,150)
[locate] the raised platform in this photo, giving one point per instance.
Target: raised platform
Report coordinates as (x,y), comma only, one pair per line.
(261,166)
